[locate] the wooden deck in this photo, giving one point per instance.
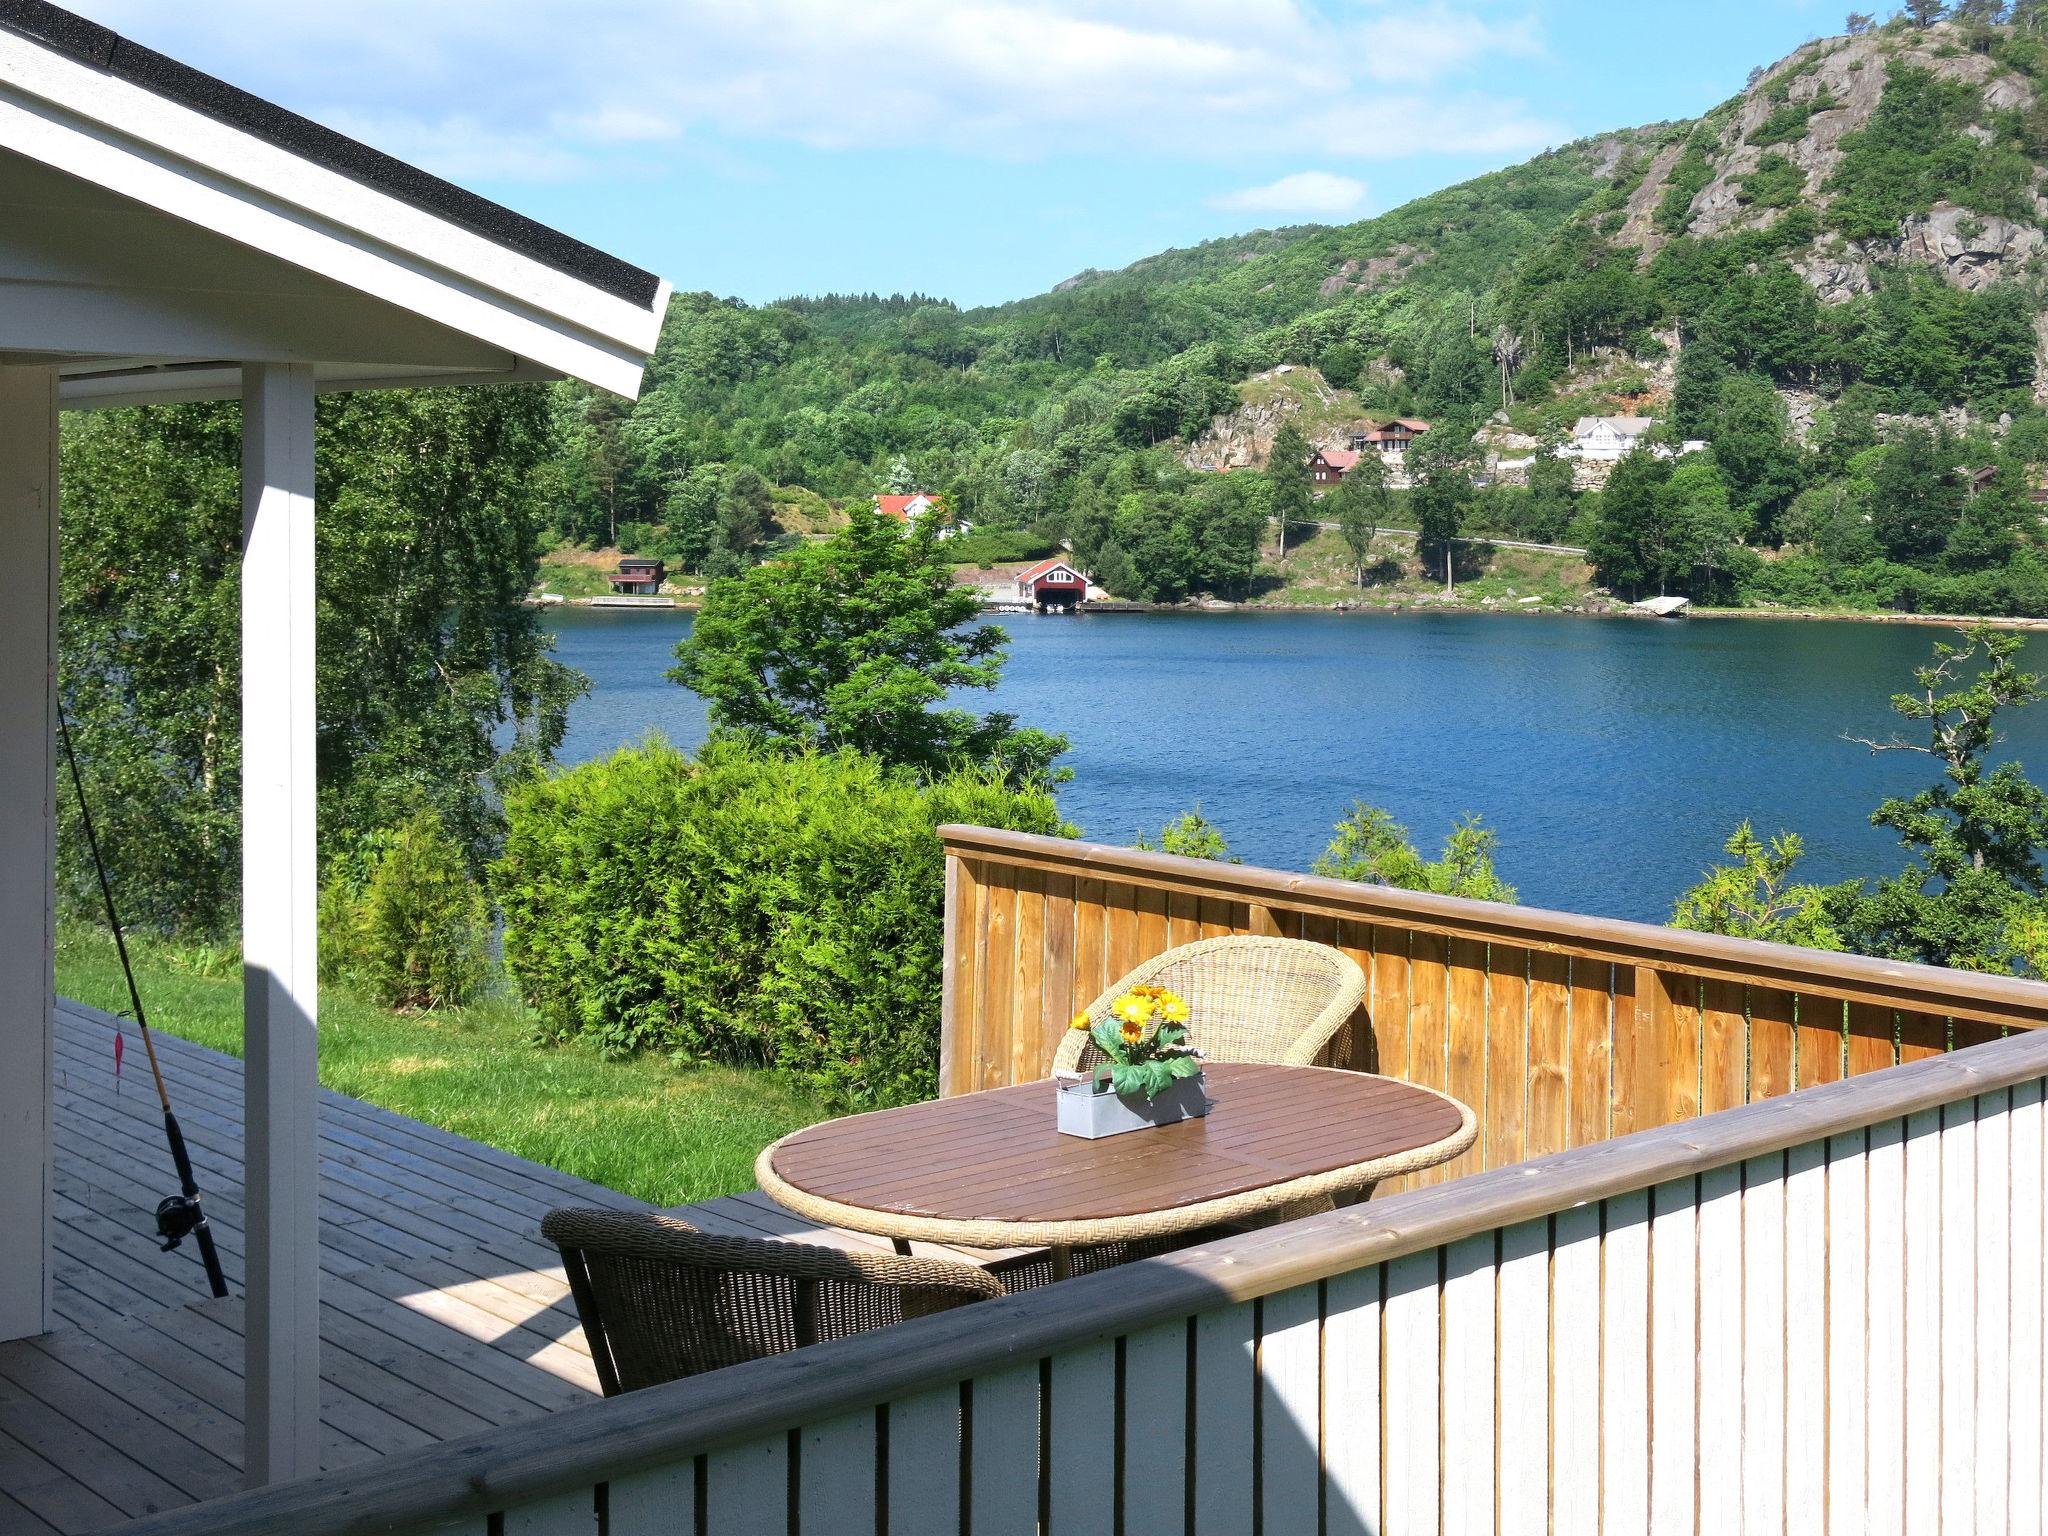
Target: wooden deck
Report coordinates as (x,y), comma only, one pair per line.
(442,1312)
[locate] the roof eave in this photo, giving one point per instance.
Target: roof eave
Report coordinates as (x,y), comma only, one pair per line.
(168,157)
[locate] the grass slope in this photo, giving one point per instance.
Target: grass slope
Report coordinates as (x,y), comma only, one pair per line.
(646,1127)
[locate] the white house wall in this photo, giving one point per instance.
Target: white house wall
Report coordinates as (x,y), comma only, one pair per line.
(179,162)
(28,838)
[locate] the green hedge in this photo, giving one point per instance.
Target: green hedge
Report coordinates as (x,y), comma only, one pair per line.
(744,907)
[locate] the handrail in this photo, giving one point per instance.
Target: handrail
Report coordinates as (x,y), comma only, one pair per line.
(1858,978)
(667,1425)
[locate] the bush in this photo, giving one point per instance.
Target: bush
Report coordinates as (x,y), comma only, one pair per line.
(402,918)
(998,546)
(745,907)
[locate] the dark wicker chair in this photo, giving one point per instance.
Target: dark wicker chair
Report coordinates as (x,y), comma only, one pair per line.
(1029,1273)
(660,1299)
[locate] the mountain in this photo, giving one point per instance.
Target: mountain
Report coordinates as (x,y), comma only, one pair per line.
(1852,244)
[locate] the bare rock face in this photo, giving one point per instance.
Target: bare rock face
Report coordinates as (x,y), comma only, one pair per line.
(1374,272)
(1802,407)
(2041,358)
(1842,80)
(1970,250)
(1636,228)
(1607,155)
(1241,439)
(1836,279)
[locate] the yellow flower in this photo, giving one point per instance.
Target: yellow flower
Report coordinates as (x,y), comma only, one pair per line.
(1081,1020)
(1133,1009)
(1133,1033)
(1174,1011)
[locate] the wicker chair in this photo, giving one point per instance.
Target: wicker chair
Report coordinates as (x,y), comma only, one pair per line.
(1253,999)
(660,1299)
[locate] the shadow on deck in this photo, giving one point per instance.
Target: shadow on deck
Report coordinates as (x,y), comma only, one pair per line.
(442,1311)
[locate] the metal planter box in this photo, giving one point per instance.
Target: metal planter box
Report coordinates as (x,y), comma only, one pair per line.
(1087,1113)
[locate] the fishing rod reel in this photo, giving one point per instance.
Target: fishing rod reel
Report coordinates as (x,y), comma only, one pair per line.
(177,1217)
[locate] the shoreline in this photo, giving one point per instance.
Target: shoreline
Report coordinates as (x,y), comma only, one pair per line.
(1118,606)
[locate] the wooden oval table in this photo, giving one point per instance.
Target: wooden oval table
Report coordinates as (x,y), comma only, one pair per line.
(990,1169)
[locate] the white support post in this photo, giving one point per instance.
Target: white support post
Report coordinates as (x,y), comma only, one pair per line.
(279,947)
(28,838)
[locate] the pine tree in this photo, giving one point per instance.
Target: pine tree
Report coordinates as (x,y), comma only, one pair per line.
(1287,473)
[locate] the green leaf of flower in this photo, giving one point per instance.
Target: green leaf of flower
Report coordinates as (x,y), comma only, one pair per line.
(1108,1037)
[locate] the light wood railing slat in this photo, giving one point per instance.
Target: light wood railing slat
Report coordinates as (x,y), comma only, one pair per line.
(1822,1041)
(1591,1062)
(1029,1048)
(1997,999)
(1873,1043)
(1724,1045)
(963,996)
(1921,1035)
(1468,998)
(998,1015)
(1773,1041)
(1058,1006)
(1549,1054)
(1503,1113)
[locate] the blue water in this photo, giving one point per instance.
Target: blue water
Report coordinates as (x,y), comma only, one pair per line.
(1613,757)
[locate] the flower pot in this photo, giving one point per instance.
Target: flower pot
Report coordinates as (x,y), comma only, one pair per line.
(1089,1113)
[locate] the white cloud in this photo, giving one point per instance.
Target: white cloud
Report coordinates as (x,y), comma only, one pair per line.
(511,88)
(1321,193)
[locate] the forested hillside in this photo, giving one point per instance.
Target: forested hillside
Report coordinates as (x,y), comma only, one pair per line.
(1834,279)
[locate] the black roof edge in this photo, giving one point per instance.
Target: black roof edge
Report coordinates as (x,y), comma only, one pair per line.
(93,44)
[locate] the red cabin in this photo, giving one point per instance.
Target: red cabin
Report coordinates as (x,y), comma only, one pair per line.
(1052,584)
(639,575)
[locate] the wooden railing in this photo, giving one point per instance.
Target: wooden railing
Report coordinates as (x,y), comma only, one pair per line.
(1559,1030)
(1828,1306)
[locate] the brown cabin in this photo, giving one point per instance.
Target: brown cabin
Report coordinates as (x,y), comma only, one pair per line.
(1329,465)
(639,575)
(1390,436)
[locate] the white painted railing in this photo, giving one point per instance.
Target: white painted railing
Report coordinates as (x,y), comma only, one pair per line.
(1822,1312)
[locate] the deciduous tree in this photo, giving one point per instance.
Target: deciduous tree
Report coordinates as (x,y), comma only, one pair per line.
(435,686)
(1440,464)
(1372,847)
(856,642)
(1360,504)
(1974,885)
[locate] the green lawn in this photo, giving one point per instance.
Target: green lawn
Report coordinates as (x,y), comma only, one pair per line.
(662,1132)
(571,578)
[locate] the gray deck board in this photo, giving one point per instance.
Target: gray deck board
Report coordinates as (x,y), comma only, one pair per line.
(442,1311)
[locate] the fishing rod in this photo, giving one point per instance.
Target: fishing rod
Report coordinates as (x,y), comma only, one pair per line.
(178,1216)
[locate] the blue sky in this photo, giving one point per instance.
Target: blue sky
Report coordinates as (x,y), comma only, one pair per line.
(978,149)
